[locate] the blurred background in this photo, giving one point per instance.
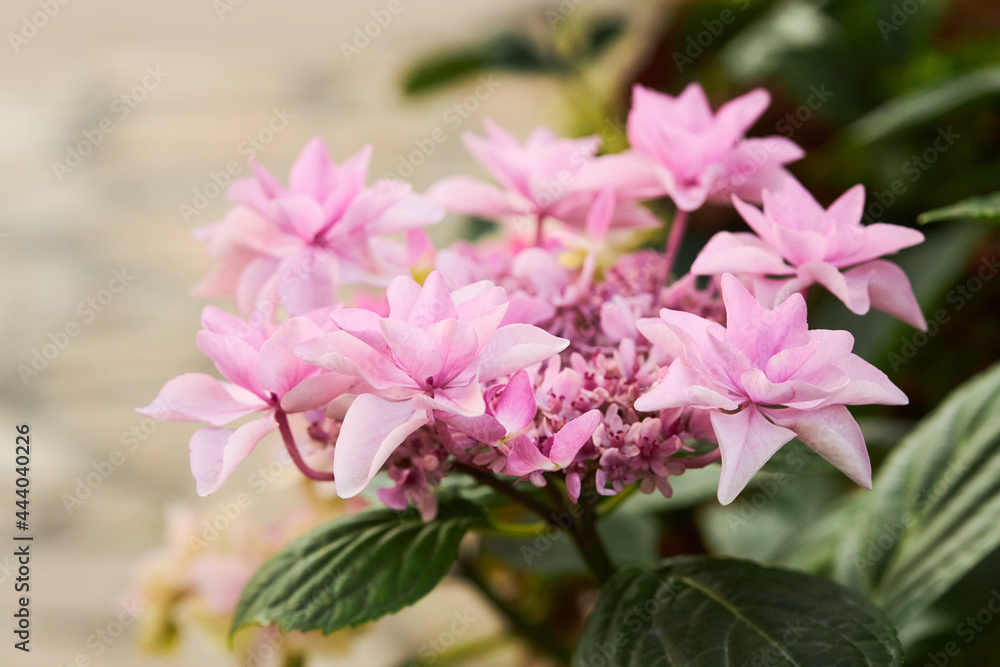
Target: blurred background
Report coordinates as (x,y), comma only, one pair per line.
(121,123)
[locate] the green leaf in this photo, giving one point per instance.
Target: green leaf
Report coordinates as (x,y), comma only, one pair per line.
(602,33)
(986,206)
(510,51)
(925,104)
(704,612)
(935,509)
(355,569)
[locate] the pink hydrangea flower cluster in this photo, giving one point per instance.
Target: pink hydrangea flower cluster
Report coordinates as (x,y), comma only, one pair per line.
(509,358)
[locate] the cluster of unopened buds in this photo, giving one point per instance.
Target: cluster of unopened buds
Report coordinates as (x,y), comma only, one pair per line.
(558,348)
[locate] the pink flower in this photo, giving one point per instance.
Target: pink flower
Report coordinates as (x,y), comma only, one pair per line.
(796,237)
(766,378)
(295,245)
(541,179)
(428,356)
(509,426)
(261,370)
(681,149)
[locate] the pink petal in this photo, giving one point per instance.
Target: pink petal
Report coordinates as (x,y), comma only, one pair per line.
(413,347)
(516,407)
(868,385)
(196,397)
(483,428)
(341,352)
(524,458)
(682,387)
(278,367)
(736,116)
(573,436)
(883,239)
(463,400)
(402,294)
(599,217)
(318,390)
(235,358)
(468,196)
(373,428)
(299,215)
(215,452)
(515,347)
(313,171)
(747,440)
(434,303)
(457,343)
(739,253)
(833,434)
(888,289)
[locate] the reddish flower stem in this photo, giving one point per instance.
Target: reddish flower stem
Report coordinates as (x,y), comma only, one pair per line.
(293,450)
(677,228)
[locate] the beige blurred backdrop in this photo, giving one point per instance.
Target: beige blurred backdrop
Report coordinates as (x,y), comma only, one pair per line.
(167,94)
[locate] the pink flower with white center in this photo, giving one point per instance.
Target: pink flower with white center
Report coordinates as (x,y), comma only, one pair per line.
(681,149)
(428,356)
(798,238)
(765,378)
(541,179)
(295,245)
(261,370)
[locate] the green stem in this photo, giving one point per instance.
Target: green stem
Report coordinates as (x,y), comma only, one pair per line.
(539,636)
(536,506)
(583,529)
(294,660)
(614,502)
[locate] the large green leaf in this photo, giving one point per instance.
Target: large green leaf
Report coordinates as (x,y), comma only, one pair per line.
(703,612)
(987,206)
(935,510)
(356,569)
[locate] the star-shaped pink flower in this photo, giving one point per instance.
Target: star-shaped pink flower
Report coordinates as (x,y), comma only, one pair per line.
(261,373)
(797,238)
(765,378)
(295,245)
(545,178)
(430,355)
(682,149)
